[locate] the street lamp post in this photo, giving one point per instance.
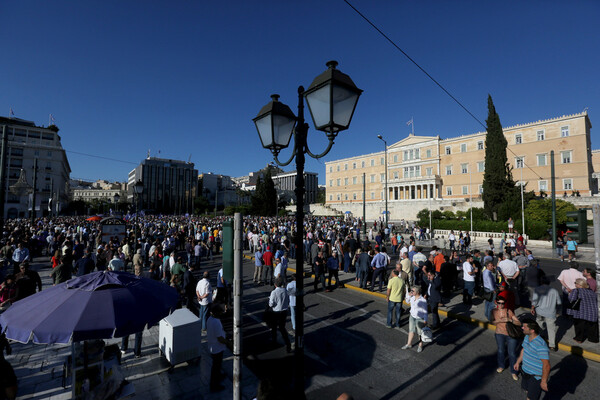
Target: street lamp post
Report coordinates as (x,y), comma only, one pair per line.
(386,180)
(138,188)
(331,99)
(116,199)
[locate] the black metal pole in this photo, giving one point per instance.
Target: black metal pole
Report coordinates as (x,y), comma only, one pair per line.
(364,205)
(3,175)
(553,188)
(301,133)
(34,195)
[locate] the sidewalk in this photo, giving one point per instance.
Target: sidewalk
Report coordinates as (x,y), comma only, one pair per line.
(454,309)
(39,368)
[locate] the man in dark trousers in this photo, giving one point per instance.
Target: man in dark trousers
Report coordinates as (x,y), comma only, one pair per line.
(85,264)
(433,296)
(189,288)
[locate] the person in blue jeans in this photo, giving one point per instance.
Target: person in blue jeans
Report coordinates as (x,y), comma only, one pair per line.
(489,289)
(500,317)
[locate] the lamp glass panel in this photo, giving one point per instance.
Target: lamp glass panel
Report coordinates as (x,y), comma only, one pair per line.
(344,102)
(319,103)
(282,130)
(264,130)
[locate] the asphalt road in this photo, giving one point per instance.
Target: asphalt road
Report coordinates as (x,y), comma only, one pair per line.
(348,348)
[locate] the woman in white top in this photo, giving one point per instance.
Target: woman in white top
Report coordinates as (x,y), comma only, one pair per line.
(418,316)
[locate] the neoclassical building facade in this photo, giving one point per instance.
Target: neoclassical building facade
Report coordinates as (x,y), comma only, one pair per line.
(428,168)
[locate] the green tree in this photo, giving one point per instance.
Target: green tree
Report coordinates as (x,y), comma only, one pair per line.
(497,177)
(265,197)
(511,206)
(541,211)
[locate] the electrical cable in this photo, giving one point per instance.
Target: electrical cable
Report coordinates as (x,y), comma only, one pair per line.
(429,76)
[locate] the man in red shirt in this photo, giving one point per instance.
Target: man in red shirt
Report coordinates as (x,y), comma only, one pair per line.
(267,277)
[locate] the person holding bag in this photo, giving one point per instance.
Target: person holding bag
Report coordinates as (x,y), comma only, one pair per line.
(584,309)
(506,322)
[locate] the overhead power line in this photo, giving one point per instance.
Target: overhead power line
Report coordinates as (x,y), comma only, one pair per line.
(429,76)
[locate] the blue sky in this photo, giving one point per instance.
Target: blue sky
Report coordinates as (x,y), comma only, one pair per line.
(186,77)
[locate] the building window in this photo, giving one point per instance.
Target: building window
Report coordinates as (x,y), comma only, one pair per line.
(465,190)
(345,167)
(406,172)
(428,153)
(463,148)
(518,138)
(417,154)
(541,135)
(354,196)
(480,166)
(418,171)
(339,182)
(480,145)
(373,178)
(362,179)
(354,180)
(330,169)
(395,158)
(568,184)
(353,165)
(372,195)
(362,164)
(338,168)
(564,131)
(36,153)
(331,183)
(345,181)
(448,150)
(448,169)
(429,171)
(565,157)
(382,161)
(49,154)
(330,197)
(339,197)
(464,168)
(345,197)
(382,178)
(541,160)
(405,155)
(543,186)
(519,162)
(395,174)
(480,189)
(449,190)
(372,163)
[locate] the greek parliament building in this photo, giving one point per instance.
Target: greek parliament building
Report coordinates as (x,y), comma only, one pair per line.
(169,186)
(427,171)
(27,142)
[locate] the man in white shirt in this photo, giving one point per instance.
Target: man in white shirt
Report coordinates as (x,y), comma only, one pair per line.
(279,301)
(204,294)
(510,271)
(452,240)
(216,341)
(116,264)
(291,290)
(469,272)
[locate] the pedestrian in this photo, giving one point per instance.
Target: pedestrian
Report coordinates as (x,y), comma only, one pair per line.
(396,290)
(216,340)
(544,301)
(268,267)
(20,254)
(204,294)
(258,266)
(535,360)
(418,317)
(567,278)
(378,265)
(434,297)
(291,290)
(279,301)
(189,289)
(501,317)
(362,264)
(27,281)
(571,248)
(333,268)
(489,289)
(319,264)
(585,316)
(469,272)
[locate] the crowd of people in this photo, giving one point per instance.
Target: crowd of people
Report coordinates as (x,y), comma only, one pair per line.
(172,249)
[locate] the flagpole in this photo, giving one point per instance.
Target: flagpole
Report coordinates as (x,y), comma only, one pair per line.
(412,119)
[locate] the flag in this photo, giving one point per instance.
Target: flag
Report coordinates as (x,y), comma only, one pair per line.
(409,122)
(52,118)
(50,205)
(12,113)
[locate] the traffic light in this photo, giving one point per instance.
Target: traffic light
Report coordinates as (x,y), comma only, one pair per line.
(578,227)
(228,250)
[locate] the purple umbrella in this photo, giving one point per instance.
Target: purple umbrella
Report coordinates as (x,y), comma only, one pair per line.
(100,305)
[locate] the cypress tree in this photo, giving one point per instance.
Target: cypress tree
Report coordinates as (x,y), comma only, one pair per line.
(497,177)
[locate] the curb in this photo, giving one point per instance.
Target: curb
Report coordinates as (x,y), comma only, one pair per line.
(589,355)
